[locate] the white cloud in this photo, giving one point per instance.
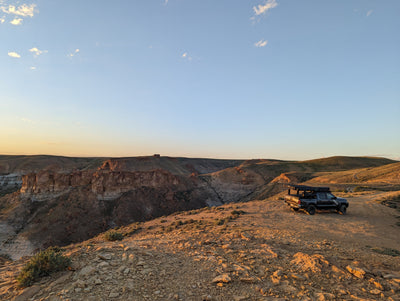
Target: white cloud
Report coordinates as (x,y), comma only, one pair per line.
(23,10)
(262,9)
(261,43)
(27,120)
(14,54)
(37,52)
(32,68)
(165,2)
(369,12)
(74,53)
(2,20)
(186,56)
(16,21)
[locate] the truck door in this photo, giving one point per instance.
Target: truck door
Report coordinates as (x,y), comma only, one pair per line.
(322,199)
(332,200)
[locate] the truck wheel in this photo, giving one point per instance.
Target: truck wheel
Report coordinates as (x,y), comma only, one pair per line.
(311,210)
(342,209)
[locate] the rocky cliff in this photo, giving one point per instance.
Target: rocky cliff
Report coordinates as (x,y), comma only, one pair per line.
(59,208)
(61,205)
(105,184)
(10,183)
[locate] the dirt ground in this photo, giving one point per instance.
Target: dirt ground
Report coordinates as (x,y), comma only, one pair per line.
(367,223)
(259,250)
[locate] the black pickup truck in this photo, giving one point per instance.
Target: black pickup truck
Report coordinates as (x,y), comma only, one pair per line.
(312,198)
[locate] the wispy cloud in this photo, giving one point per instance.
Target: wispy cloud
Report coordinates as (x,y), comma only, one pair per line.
(369,13)
(27,120)
(76,51)
(2,20)
(14,54)
(263,8)
(186,56)
(261,43)
(165,2)
(32,68)
(23,10)
(36,52)
(16,21)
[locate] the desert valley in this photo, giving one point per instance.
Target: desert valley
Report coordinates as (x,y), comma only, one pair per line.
(199,229)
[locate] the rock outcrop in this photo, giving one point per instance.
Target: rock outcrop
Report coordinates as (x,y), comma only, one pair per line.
(105,184)
(63,200)
(10,183)
(59,208)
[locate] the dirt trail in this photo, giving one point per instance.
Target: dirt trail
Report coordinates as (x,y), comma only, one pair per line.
(253,251)
(366,223)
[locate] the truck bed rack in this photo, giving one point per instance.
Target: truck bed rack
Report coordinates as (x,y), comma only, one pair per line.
(309,188)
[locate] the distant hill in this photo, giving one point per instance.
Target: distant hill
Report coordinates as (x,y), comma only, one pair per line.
(174,165)
(345,163)
(387,174)
(26,164)
(180,166)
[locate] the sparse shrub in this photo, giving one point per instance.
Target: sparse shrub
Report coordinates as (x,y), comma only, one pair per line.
(43,264)
(391,201)
(222,221)
(113,235)
(358,189)
(219,222)
(5,256)
(387,251)
(132,229)
(237,212)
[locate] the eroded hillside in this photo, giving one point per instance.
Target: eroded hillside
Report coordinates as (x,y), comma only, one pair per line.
(73,199)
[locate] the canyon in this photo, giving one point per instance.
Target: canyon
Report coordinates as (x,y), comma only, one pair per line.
(49,200)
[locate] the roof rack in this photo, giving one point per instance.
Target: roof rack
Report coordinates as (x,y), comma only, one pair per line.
(309,188)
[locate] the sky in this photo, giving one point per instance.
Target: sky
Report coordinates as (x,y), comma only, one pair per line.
(239,79)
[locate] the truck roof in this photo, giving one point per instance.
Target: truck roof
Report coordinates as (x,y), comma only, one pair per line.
(309,188)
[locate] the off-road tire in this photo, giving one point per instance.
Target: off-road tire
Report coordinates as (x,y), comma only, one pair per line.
(342,209)
(311,210)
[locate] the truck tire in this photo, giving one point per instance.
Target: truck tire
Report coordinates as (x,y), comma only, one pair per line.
(311,209)
(342,209)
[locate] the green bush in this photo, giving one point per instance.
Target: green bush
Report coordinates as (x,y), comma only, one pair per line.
(113,235)
(43,264)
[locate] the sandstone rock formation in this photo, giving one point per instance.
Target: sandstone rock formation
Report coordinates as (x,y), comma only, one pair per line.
(63,200)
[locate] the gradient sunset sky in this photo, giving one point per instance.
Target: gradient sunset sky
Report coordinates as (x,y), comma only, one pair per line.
(238,79)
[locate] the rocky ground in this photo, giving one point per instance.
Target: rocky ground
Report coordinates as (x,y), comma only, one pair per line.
(250,251)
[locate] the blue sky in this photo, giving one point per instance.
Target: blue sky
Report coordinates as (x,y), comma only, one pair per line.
(200,78)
